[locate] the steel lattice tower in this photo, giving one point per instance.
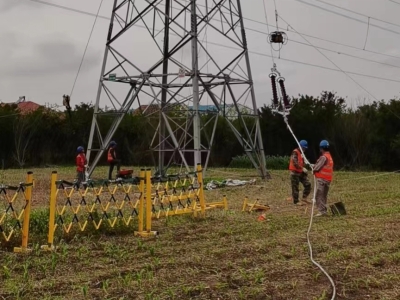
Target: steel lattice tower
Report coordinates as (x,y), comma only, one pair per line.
(188,60)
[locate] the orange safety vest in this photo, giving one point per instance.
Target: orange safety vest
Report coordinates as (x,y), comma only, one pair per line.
(109,156)
(326,172)
(300,160)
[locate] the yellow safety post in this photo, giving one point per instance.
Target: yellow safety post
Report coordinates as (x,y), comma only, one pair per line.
(27,214)
(141,200)
(245,203)
(201,187)
(52,217)
(225,200)
(148,200)
(147,232)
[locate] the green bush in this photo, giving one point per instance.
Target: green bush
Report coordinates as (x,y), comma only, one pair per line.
(277,162)
(273,162)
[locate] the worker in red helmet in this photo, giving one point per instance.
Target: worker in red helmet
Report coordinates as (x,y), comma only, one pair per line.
(112,159)
(81,163)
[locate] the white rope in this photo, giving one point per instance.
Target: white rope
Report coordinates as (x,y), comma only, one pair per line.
(312,212)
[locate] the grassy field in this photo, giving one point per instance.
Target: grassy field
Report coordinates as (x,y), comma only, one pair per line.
(227,255)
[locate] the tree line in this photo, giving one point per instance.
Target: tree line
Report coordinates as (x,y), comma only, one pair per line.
(365,137)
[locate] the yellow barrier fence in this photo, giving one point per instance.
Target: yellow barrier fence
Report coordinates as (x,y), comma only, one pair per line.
(108,203)
(179,194)
(102,203)
(175,195)
(17,208)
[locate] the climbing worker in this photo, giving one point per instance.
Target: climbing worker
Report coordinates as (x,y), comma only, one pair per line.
(298,173)
(112,159)
(323,171)
(80,167)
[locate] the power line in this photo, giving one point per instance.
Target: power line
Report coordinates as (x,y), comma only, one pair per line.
(250,29)
(333,63)
(346,54)
(357,13)
(266,22)
(366,37)
(346,73)
(330,50)
(346,45)
(319,38)
(309,64)
(70,9)
(348,17)
(87,45)
(253,52)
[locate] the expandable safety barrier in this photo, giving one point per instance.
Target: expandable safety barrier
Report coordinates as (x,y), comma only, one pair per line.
(101,203)
(176,195)
(15,217)
(108,203)
(179,195)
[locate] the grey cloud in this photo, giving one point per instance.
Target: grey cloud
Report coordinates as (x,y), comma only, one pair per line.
(50,57)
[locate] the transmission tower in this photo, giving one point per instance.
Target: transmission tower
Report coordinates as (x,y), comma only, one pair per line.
(182,64)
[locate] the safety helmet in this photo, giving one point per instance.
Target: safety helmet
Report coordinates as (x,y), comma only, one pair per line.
(324,144)
(113,143)
(303,144)
(79,149)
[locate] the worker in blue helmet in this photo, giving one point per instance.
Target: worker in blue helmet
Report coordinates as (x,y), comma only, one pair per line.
(112,159)
(323,172)
(81,163)
(298,174)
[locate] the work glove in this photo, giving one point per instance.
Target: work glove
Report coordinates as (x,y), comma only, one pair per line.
(305,170)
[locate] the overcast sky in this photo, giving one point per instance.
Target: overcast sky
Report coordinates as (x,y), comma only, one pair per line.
(41,48)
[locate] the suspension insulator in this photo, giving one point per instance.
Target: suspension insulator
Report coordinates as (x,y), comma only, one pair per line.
(274,90)
(284,95)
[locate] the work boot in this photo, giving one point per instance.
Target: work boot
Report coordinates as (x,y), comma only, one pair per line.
(321,214)
(299,204)
(306,201)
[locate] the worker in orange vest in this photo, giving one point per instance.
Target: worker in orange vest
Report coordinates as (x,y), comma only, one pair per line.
(80,167)
(298,173)
(323,172)
(112,159)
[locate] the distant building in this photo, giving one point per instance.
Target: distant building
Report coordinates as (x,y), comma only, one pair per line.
(206,108)
(22,106)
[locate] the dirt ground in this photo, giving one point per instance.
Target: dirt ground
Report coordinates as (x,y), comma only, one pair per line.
(227,255)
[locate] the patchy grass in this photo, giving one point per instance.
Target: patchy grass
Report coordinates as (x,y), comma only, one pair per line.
(227,255)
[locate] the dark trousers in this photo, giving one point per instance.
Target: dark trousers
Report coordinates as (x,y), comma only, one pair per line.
(80,178)
(115,162)
(296,179)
